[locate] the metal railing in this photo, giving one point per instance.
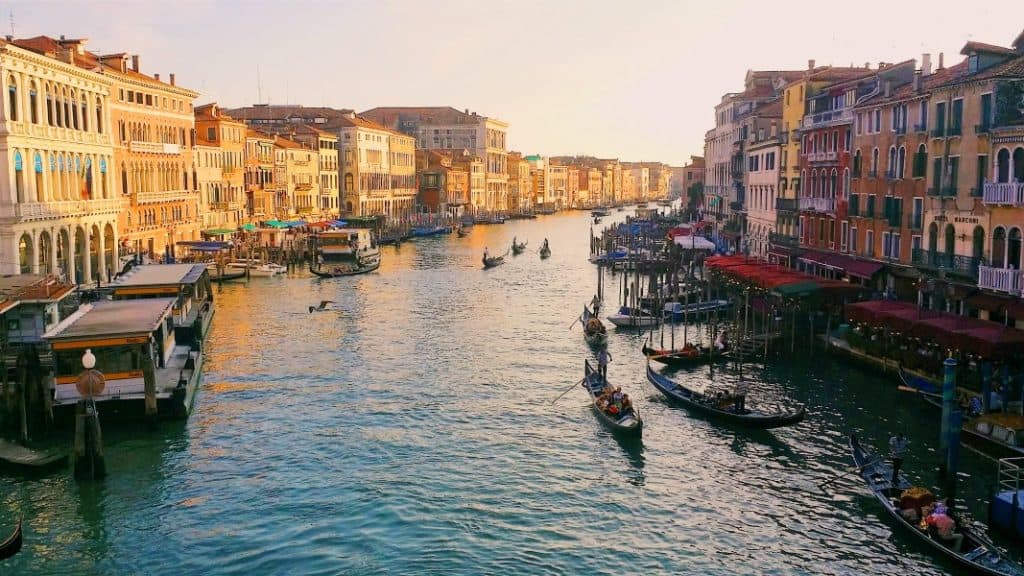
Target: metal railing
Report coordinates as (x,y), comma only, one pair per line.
(966,266)
(1003,193)
(783,240)
(827,117)
(786,205)
(827,205)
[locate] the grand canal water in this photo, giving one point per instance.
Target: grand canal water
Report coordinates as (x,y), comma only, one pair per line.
(412,432)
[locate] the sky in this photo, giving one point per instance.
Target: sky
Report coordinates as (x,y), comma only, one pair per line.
(631,80)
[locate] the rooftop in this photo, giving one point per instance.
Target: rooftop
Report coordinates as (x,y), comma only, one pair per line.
(161,275)
(113,318)
(33,287)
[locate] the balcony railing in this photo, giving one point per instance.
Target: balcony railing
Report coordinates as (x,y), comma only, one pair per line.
(934,191)
(827,118)
(982,128)
(956,264)
(154,147)
(166,196)
(1005,280)
(66,209)
(822,156)
(1003,193)
(783,240)
(939,132)
(921,127)
(786,205)
(949,190)
(827,205)
(955,130)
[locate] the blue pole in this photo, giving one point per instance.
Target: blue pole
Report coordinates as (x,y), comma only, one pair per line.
(986,386)
(948,400)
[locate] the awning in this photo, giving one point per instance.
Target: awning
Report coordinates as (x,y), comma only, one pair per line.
(994,303)
(860,268)
(204,246)
(694,243)
(797,288)
(248,227)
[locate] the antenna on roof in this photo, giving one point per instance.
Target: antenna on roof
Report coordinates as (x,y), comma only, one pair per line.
(12,22)
(259,85)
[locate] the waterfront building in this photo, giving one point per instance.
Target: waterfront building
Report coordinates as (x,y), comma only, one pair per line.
(445,128)
(443,188)
(326,146)
(403,174)
(641,176)
(682,179)
(973,210)
(302,180)
(223,140)
(261,190)
(378,168)
(558,185)
(58,208)
(761,177)
(540,181)
(572,190)
(283,118)
(887,187)
(519,182)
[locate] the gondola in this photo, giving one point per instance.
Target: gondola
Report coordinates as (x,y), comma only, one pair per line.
(492,261)
(12,544)
(977,553)
(711,406)
(628,424)
(518,249)
(462,232)
(545,253)
(330,271)
(694,356)
(594,337)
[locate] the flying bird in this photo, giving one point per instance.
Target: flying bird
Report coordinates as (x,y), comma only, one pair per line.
(321,307)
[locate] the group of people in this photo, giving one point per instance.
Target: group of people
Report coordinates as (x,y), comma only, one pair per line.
(615,402)
(595,326)
(935,518)
(735,399)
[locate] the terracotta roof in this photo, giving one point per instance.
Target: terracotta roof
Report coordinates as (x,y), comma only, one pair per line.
(755,92)
(24,287)
(250,133)
(312,130)
(907,92)
(769,109)
(286,143)
(285,111)
(983,47)
(392,115)
(1012,68)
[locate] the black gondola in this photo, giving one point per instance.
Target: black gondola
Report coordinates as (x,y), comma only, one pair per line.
(629,423)
(594,333)
(12,544)
(684,356)
(545,252)
(711,406)
(330,271)
(518,249)
(462,232)
(492,261)
(977,554)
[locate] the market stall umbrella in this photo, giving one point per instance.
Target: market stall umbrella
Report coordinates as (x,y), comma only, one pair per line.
(217,232)
(249,227)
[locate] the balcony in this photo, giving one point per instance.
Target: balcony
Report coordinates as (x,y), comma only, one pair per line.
(966,266)
(165,196)
(949,190)
(29,211)
(934,191)
(786,205)
(955,130)
(783,240)
(825,205)
(982,128)
(153,147)
(784,138)
(921,128)
(1005,280)
(1003,193)
(827,118)
(815,157)
(939,132)
(901,129)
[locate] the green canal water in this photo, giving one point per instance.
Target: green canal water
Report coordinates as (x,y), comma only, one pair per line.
(412,432)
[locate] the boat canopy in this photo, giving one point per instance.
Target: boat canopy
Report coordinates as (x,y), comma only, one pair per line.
(200,246)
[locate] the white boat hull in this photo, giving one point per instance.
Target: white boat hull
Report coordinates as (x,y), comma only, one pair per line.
(625,321)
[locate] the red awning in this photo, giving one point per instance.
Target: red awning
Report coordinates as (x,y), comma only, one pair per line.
(997,304)
(860,268)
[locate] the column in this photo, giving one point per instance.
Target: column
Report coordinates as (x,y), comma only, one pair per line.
(54,239)
(72,264)
(101,259)
(35,251)
(86,260)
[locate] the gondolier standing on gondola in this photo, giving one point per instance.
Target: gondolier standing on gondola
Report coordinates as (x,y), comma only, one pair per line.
(595,305)
(487,255)
(898,445)
(603,358)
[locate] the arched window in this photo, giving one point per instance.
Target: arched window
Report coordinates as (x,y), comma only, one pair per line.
(83,107)
(874,162)
(999,247)
(67,109)
(49,106)
(99,117)
(1013,249)
(901,162)
(19,176)
(33,103)
(1003,165)
(12,99)
(846,184)
(950,244)
(58,105)
(857,163)
(1018,165)
(890,170)
(73,104)
(832,183)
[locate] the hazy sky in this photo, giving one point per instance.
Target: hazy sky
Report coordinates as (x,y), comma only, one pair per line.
(634,80)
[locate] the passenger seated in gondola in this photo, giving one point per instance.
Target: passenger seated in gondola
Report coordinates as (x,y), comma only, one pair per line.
(945,527)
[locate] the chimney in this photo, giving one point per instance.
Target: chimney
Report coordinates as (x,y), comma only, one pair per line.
(156,77)
(171,78)
(867,65)
(810,64)
(466,111)
(888,88)
(135,62)
(926,64)
(61,37)
(9,38)
(941,58)
(917,81)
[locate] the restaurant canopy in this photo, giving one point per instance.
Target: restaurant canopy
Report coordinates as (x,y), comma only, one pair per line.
(694,243)
(987,339)
(199,246)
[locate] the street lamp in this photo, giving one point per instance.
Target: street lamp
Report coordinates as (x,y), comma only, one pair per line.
(90,381)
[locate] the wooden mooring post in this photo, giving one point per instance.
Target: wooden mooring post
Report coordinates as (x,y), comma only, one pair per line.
(87,461)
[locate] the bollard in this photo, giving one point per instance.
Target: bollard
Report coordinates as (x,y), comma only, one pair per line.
(948,400)
(87,461)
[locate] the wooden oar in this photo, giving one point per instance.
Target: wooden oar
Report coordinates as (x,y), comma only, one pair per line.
(574,322)
(856,469)
(574,384)
(918,391)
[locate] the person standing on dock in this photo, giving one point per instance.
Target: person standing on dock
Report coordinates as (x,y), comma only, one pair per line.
(603,358)
(898,445)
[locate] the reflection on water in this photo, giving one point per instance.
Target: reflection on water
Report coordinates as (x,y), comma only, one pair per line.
(411,431)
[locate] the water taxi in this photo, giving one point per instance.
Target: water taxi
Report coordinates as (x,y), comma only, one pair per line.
(345,252)
(188,284)
(254,267)
(136,350)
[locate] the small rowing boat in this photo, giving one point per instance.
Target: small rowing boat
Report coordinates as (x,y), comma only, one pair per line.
(518,249)
(341,269)
(462,232)
(12,544)
(725,405)
(688,355)
(976,552)
(492,261)
(633,318)
(626,422)
(594,331)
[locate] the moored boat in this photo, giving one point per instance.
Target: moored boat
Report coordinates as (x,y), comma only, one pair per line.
(256,268)
(340,269)
(188,284)
(12,544)
(976,552)
(633,318)
(725,405)
(422,231)
(688,355)
(677,311)
(462,232)
(345,252)
(627,421)
(594,331)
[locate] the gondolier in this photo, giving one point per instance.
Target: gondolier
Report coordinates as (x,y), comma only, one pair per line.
(603,358)
(898,445)
(595,304)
